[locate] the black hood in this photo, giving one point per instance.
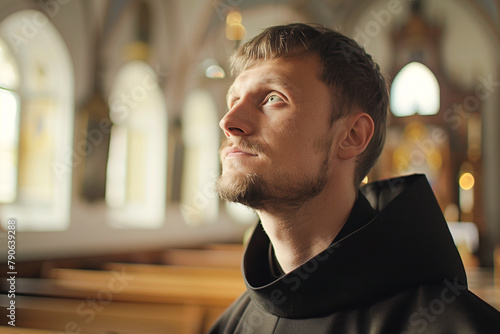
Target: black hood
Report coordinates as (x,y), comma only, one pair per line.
(405,243)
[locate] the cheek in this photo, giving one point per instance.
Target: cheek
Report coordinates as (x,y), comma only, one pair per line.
(294,138)
(289,127)
(293,151)
(284,136)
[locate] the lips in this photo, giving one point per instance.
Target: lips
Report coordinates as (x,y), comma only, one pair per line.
(236,147)
(237,152)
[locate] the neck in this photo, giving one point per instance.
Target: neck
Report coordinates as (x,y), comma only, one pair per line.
(299,234)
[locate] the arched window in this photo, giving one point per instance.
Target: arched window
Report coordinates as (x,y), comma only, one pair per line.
(136,171)
(415,89)
(37,108)
(9,124)
(241,214)
(200,134)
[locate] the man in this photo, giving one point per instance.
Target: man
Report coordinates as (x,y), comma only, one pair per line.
(306,122)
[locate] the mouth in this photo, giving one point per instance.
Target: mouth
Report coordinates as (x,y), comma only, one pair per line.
(233,152)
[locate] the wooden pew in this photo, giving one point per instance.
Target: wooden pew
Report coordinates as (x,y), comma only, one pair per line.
(213,256)
(21,330)
(233,274)
(89,316)
(172,285)
(212,312)
(205,292)
(189,295)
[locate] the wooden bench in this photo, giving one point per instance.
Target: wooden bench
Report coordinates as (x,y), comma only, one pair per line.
(21,330)
(172,285)
(90,316)
(193,295)
(214,256)
(183,297)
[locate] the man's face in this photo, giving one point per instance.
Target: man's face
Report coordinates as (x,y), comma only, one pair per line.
(278,144)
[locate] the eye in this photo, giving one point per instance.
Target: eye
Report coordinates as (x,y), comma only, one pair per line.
(274,99)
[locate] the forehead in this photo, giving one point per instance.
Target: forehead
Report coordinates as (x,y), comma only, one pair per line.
(290,73)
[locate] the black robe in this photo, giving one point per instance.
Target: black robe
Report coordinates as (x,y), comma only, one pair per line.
(393,268)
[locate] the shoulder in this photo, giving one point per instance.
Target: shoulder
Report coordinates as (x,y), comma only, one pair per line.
(228,321)
(436,308)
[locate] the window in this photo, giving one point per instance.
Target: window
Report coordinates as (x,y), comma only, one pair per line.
(136,170)
(9,125)
(241,214)
(415,89)
(37,88)
(200,135)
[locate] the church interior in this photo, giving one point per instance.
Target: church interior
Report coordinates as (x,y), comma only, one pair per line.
(109,140)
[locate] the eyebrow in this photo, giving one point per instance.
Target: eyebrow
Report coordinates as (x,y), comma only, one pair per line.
(269,81)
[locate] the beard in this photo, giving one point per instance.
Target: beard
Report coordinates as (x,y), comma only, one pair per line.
(279,191)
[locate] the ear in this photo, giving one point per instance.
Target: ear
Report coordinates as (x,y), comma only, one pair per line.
(359,132)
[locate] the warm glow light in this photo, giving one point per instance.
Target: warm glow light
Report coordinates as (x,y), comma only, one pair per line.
(235,31)
(466,181)
(233,17)
(215,72)
(435,160)
(415,90)
(365,180)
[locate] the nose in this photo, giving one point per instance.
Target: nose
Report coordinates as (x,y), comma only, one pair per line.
(237,121)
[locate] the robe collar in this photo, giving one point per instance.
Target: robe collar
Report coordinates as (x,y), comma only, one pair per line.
(400,241)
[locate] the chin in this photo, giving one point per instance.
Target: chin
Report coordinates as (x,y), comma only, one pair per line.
(237,187)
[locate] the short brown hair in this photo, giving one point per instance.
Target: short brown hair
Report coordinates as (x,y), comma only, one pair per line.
(351,73)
